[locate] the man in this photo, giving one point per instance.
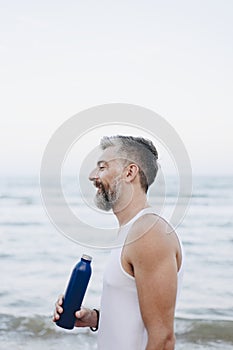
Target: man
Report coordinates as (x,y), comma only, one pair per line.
(144,273)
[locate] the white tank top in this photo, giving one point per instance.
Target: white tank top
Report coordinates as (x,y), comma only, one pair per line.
(121,326)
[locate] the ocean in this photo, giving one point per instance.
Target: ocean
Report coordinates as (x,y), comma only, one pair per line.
(36,261)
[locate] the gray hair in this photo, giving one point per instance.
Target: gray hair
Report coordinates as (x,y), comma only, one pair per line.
(139,151)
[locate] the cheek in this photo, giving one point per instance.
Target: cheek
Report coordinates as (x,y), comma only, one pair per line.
(110,178)
(116,182)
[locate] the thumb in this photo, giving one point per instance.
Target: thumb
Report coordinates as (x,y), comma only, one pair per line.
(80,313)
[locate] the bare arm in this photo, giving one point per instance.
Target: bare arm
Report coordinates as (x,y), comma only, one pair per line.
(153,258)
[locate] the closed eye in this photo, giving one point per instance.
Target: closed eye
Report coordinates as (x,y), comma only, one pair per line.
(101,165)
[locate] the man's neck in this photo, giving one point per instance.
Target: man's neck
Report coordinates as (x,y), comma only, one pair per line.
(128,211)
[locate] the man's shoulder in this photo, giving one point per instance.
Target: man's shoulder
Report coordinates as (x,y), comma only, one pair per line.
(151,234)
(151,224)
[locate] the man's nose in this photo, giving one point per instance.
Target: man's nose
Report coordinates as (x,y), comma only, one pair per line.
(93,174)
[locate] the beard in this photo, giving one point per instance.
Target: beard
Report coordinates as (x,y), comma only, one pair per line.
(106,198)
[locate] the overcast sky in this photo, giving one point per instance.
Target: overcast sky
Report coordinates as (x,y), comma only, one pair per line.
(60,57)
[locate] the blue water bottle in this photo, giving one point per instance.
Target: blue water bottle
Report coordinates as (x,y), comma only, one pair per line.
(75,292)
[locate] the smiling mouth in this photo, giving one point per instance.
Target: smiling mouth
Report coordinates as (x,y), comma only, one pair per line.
(98,187)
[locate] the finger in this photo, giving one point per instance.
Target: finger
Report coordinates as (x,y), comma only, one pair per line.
(56,317)
(81,313)
(60,299)
(59,309)
(78,314)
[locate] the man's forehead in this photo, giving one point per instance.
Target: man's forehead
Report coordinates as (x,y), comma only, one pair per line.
(109,154)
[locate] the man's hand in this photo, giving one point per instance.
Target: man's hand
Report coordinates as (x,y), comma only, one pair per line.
(58,308)
(84,317)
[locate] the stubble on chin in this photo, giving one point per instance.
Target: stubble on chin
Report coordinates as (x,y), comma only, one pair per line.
(106,199)
(102,202)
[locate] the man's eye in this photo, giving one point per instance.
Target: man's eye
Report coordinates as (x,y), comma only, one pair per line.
(101,167)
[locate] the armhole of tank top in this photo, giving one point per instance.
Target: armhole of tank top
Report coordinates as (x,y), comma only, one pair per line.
(182,254)
(122,268)
(143,212)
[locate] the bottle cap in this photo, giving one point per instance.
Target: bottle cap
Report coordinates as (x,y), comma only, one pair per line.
(86,257)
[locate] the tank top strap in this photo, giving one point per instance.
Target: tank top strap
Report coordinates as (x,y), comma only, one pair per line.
(124,229)
(148,210)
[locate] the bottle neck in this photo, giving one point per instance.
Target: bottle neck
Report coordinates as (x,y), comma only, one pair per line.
(86,258)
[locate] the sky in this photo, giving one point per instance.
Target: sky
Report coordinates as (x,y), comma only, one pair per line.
(58,58)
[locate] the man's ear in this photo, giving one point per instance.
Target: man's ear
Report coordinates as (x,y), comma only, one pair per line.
(131,172)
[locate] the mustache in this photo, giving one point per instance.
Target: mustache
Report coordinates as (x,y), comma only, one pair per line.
(98,184)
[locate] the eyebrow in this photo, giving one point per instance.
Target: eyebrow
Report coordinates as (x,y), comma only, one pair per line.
(101,161)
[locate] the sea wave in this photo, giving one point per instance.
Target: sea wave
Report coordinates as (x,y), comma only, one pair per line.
(204,331)
(187,330)
(36,325)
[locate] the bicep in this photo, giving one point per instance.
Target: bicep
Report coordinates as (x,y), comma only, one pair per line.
(157,287)
(155,270)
